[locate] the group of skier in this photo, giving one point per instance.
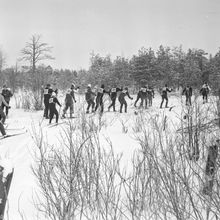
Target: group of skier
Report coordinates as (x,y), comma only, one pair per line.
(50,101)
(94,98)
(204,91)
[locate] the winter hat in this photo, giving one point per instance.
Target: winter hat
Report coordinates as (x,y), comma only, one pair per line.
(89,85)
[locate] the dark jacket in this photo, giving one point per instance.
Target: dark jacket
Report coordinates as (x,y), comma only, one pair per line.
(123,94)
(101,92)
(205,90)
(150,92)
(7,94)
(114,91)
(47,93)
(52,102)
(165,90)
(89,94)
(69,99)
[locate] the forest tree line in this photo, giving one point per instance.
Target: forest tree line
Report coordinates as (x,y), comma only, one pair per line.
(172,66)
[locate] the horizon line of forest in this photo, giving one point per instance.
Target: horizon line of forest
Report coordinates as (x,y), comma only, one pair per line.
(166,65)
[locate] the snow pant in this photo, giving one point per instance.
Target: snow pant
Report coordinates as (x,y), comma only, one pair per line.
(70,106)
(164,98)
(188,100)
(137,99)
(143,102)
(2,115)
(150,100)
(123,103)
(53,111)
(90,103)
(205,97)
(46,108)
(6,108)
(2,129)
(99,102)
(113,103)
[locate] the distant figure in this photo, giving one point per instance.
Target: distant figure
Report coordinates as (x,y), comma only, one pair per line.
(47,94)
(99,98)
(2,114)
(122,100)
(113,96)
(144,97)
(90,97)
(52,107)
(7,94)
(138,97)
(73,89)
(205,91)
(68,104)
(150,95)
(187,91)
(164,95)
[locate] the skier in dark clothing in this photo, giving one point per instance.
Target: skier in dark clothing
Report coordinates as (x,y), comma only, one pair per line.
(144,97)
(7,94)
(164,95)
(47,94)
(90,96)
(187,91)
(52,107)
(139,95)
(205,91)
(150,95)
(2,114)
(113,96)
(73,89)
(122,100)
(68,104)
(99,98)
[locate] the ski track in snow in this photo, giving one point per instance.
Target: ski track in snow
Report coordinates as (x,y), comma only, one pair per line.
(19,149)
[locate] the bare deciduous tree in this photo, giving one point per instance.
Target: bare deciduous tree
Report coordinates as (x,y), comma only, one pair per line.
(34,51)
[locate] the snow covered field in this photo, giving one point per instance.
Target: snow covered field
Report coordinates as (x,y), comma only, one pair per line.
(121,129)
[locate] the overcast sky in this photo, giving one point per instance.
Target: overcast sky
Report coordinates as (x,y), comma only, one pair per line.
(75,28)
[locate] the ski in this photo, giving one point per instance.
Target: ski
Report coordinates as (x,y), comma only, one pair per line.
(21,128)
(56,124)
(12,135)
(4,190)
(171,108)
(69,118)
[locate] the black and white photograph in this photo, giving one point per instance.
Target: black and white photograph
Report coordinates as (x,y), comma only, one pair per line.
(109,109)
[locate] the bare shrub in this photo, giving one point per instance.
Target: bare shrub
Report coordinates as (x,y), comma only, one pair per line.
(79,178)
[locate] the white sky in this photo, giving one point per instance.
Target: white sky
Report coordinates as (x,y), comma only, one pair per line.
(75,28)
